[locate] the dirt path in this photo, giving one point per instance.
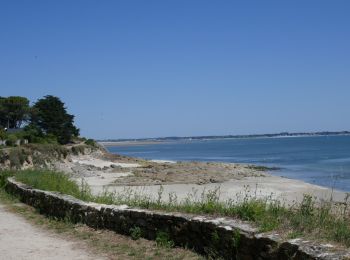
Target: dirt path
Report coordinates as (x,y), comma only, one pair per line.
(21,240)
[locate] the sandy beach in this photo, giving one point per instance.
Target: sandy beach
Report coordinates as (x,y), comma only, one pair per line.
(104,171)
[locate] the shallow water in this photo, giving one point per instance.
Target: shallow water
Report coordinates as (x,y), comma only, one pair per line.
(322,160)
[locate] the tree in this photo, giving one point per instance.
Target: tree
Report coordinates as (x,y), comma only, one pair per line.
(14,111)
(50,115)
(3,118)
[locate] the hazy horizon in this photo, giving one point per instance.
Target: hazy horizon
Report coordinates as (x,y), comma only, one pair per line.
(251,134)
(184,68)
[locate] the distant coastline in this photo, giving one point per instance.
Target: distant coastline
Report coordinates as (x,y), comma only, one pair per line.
(157,140)
(129,142)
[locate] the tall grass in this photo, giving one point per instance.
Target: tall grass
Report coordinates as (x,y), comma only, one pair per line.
(54,181)
(326,221)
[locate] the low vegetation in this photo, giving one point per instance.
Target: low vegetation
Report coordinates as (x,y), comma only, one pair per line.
(91,142)
(39,155)
(325,221)
(52,181)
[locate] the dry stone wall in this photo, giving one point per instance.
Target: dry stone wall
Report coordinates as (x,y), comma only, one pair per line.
(219,237)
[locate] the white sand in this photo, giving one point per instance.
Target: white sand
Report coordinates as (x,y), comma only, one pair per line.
(100,179)
(286,190)
(162,161)
(102,163)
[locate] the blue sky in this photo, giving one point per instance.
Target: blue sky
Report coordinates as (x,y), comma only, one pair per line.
(176,68)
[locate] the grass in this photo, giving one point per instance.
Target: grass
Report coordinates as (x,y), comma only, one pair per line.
(53,181)
(322,221)
(326,221)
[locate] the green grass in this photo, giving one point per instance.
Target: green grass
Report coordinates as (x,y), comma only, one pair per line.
(54,181)
(325,221)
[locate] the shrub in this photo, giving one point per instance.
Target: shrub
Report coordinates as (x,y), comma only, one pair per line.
(34,135)
(11,140)
(135,233)
(3,177)
(17,157)
(163,239)
(90,142)
(79,149)
(2,134)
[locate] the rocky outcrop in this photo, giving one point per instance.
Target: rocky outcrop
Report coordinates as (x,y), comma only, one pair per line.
(219,237)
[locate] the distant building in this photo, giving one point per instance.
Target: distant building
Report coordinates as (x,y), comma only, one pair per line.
(13,130)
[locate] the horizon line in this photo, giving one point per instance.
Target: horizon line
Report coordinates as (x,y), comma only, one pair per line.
(346,132)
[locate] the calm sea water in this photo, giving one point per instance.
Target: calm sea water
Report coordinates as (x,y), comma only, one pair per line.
(322,160)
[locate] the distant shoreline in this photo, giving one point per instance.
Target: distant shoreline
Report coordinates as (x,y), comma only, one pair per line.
(161,140)
(128,143)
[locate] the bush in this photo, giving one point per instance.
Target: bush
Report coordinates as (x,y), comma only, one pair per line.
(90,142)
(11,140)
(17,157)
(135,233)
(34,135)
(3,177)
(79,149)
(2,134)
(163,239)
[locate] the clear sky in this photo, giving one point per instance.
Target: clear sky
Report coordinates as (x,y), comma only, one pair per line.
(176,68)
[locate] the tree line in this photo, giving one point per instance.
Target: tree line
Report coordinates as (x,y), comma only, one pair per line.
(47,120)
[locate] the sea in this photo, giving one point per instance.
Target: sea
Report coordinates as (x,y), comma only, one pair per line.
(321,160)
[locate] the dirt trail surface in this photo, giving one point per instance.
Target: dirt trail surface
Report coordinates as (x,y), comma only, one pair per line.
(20,240)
